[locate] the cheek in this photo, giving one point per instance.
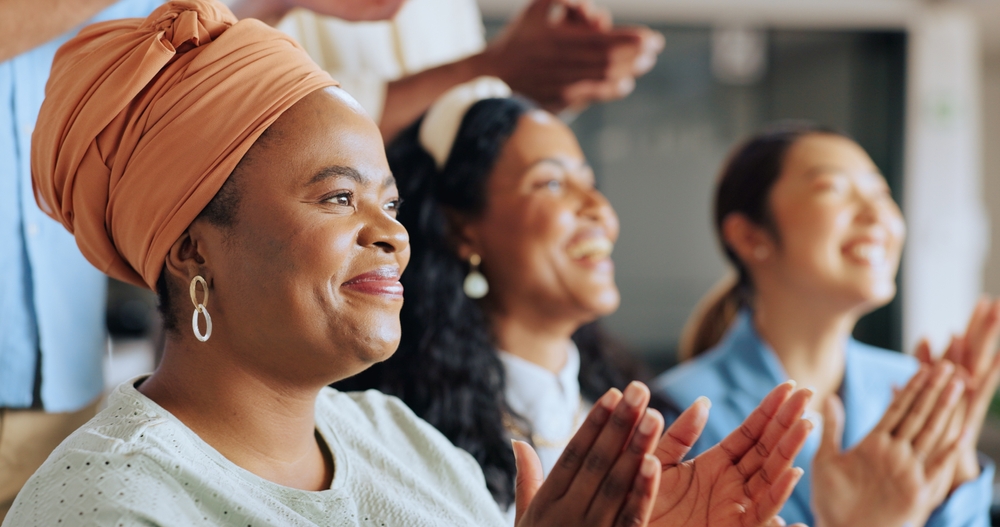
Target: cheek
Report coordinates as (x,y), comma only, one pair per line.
(813,234)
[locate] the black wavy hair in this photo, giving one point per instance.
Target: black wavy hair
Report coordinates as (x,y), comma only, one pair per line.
(446,368)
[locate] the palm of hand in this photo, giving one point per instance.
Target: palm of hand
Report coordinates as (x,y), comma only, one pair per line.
(876,483)
(707,490)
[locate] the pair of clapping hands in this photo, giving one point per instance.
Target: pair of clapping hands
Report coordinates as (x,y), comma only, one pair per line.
(567,54)
(924,447)
(618,471)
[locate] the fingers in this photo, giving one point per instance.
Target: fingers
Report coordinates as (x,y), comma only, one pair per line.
(741,440)
(768,505)
(781,459)
(529,477)
(639,506)
(833,427)
(903,400)
(931,434)
(571,459)
(616,486)
(923,352)
(683,433)
(787,416)
(982,346)
(600,459)
(925,403)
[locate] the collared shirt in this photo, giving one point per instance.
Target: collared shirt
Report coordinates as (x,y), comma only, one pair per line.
(51,299)
(739,372)
(550,403)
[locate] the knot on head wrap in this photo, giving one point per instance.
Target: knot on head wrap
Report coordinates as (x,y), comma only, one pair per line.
(144,120)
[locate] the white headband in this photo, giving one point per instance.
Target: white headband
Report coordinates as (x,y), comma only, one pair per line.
(443,119)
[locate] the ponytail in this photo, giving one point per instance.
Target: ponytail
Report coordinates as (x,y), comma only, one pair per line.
(712,316)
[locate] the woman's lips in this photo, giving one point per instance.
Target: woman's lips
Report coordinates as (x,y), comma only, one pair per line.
(383,281)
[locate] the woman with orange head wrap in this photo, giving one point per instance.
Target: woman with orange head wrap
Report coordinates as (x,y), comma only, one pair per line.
(212,161)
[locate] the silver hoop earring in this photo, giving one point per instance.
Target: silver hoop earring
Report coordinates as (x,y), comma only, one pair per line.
(475,285)
(199,307)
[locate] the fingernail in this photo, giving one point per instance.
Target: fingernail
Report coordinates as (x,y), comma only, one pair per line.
(792,383)
(608,399)
(799,472)
(647,425)
(633,395)
(649,466)
(704,400)
(512,441)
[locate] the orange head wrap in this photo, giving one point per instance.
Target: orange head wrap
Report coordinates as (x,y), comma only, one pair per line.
(144,120)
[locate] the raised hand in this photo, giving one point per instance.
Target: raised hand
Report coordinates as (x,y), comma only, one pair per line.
(744,480)
(606,475)
(901,471)
(978,362)
(567,54)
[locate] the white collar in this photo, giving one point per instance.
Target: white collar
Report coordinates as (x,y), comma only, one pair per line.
(549,401)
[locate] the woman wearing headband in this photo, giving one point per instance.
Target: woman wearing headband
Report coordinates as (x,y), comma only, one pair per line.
(807,220)
(510,265)
(212,161)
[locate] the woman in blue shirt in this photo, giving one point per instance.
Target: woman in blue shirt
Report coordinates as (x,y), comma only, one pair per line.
(809,223)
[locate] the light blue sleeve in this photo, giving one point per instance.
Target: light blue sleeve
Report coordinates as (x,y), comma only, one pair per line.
(969,504)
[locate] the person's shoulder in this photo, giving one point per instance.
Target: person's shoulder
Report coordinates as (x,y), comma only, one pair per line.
(80,484)
(702,375)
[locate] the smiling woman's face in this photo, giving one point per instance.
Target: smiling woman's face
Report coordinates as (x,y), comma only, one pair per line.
(305,283)
(841,233)
(546,234)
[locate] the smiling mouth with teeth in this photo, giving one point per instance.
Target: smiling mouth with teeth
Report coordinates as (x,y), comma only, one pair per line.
(591,249)
(869,253)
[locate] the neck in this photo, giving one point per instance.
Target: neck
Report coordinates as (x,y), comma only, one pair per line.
(542,342)
(261,425)
(809,338)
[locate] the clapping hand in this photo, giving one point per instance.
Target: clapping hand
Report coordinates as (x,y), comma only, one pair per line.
(978,363)
(566,54)
(903,468)
(606,475)
(743,481)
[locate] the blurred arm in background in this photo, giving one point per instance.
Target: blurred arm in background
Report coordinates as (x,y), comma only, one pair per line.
(563,54)
(23,29)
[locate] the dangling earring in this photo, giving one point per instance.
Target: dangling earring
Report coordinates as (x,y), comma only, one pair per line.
(199,307)
(761,252)
(475,285)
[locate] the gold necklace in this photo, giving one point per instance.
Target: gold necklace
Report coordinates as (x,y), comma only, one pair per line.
(538,441)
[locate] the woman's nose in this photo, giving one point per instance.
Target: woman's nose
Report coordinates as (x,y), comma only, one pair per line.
(383,231)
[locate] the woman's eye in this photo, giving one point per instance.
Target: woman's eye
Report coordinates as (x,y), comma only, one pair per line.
(553,185)
(344,199)
(393,205)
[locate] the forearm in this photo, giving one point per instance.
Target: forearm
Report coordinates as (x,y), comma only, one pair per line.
(408,98)
(27,24)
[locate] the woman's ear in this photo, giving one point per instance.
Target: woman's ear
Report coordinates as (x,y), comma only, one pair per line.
(184,261)
(464,236)
(752,243)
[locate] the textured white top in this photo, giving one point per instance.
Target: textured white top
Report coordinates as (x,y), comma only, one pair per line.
(136,464)
(365,56)
(549,402)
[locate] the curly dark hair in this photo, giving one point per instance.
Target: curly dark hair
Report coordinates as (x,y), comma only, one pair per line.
(446,368)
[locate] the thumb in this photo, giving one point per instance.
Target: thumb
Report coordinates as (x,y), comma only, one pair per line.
(683,433)
(833,427)
(529,477)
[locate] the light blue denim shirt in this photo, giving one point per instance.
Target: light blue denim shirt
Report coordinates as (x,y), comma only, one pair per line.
(742,369)
(51,299)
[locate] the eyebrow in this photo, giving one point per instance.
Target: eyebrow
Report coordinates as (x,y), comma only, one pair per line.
(348,172)
(555,161)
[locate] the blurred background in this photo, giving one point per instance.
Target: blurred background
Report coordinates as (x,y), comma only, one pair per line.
(916,82)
